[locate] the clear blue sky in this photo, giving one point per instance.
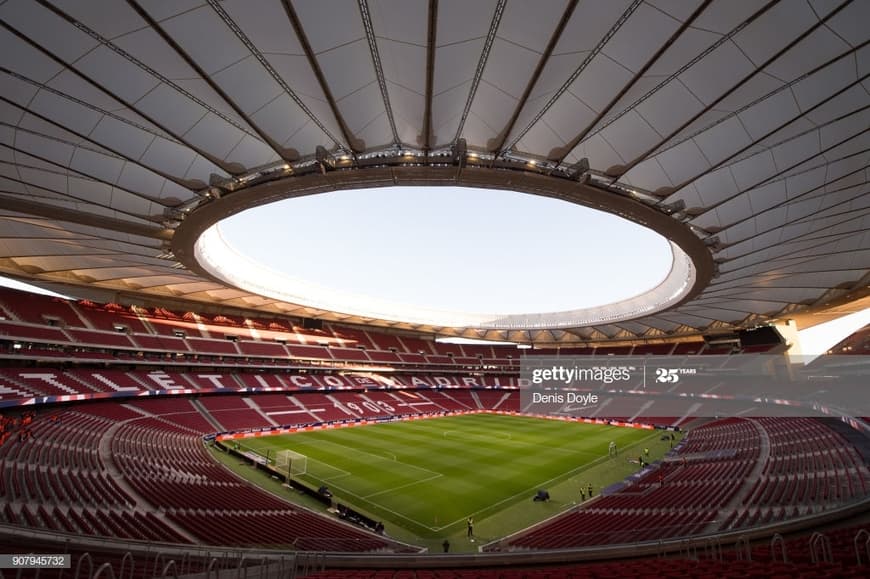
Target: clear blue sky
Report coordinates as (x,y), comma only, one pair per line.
(455,249)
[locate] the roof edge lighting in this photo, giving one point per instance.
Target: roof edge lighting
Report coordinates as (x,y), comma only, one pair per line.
(198,245)
(222,261)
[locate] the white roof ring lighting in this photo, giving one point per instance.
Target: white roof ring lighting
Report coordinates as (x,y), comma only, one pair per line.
(200,245)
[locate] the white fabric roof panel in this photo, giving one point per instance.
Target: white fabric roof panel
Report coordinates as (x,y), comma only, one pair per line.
(205,37)
(461,33)
(22,226)
(572,54)
(762,38)
(641,35)
(401,32)
(177,284)
(89,163)
(523,33)
(659,324)
(47,29)
(754,113)
(111,19)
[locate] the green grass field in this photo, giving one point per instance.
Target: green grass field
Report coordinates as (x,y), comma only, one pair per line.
(423,478)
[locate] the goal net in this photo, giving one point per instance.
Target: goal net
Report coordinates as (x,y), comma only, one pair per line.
(291,462)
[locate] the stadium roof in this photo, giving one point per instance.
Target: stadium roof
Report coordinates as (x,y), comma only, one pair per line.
(737,127)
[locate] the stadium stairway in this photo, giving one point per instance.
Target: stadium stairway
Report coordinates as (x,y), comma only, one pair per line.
(58,479)
(208,415)
(256,408)
(105,450)
(478,404)
(740,497)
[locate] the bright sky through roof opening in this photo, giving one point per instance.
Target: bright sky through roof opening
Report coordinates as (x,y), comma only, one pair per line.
(818,339)
(27,287)
(455,249)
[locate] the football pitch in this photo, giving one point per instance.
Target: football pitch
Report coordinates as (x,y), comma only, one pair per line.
(428,476)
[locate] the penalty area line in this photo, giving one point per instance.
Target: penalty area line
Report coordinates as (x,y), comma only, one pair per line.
(404,486)
(378,456)
(383,508)
(495,435)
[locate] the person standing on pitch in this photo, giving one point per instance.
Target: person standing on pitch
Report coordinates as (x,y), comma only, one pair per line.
(470,524)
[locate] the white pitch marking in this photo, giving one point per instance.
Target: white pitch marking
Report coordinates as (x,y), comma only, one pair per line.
(404,486)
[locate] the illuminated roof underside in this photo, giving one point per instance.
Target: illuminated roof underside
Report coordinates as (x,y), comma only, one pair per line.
(749,118)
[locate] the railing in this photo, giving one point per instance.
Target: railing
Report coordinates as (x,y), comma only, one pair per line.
(820,549)
(862,551)
(778,542)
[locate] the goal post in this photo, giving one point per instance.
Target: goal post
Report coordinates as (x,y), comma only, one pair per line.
(291,462)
